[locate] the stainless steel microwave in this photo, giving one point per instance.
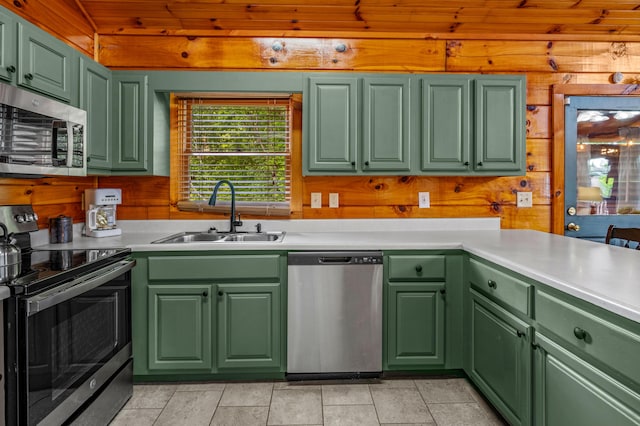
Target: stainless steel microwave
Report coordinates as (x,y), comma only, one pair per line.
(40,136)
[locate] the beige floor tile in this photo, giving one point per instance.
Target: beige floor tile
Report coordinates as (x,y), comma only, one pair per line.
(247,395)
(136,417)
(444,390)
(395,383)
(296,385)
(400,405)
(350,415)
(346,395)
(296,407)
(190,408)
(491,412)
(460,414)
(201,386)
(150,396)
(240,416)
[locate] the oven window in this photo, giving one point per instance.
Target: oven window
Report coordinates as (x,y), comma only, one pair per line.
(69,342)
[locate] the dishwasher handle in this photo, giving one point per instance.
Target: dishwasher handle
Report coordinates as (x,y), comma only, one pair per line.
(342,260)
(328,258)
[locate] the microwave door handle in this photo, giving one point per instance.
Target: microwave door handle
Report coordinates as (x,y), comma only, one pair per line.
(69,144)
(76,287)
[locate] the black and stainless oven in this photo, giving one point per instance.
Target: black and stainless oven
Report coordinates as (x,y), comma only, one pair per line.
(68,337)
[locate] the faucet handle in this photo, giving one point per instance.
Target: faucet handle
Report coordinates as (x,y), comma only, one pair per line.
(237,222)
(258,227)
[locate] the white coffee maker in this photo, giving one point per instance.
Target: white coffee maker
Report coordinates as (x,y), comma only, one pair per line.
(100,205)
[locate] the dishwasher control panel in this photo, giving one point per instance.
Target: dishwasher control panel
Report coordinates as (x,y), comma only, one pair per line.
(336,258)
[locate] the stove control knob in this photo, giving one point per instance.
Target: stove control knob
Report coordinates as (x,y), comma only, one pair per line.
(19,218)
(35,216)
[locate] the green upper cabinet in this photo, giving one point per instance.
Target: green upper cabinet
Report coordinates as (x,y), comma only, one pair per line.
(95,98)
(331,111)
(249,322)
(8,62)
(414,125)
(386,120)
(46,64)
(446,125)
(130,122)
(500,131)
(349,132)
(179,327)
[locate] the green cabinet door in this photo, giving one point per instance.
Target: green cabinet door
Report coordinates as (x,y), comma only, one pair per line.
(95,98)
(249,321)
(415,325)
(386,123)
(8,64)
(500,124)
(500,358)
(179,327)
(446,124)
(570,391)
(45,64)
(130,122)
(331,124)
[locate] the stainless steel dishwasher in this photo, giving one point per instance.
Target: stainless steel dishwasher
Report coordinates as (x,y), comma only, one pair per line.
(334,322)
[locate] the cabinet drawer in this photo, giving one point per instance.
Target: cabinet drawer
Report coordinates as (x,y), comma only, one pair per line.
(262,266)
(416,268)
(615,346)
(501,286)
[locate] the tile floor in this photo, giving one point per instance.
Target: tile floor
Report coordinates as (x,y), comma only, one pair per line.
(437,401)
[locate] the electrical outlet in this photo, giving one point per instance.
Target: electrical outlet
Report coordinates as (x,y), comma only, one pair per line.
(524,199)
(333,200)
(316,200)
(423,200)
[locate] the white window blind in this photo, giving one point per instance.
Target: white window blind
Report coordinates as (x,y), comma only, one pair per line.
(246,141)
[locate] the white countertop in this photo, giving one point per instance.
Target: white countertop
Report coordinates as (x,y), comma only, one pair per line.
(606,276)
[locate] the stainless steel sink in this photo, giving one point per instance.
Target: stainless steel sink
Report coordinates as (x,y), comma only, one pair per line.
(208,237)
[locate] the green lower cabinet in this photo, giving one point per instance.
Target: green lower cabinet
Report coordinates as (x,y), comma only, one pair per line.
(415,326)
(570,391)
(179,327)
(500,358)
(249,320)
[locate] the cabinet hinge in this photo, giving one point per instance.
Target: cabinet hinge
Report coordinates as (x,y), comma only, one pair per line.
(567,100)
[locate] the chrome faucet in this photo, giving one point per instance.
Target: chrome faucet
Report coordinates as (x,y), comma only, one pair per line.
(212,202)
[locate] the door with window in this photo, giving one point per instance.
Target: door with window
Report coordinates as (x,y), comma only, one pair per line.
(602,165)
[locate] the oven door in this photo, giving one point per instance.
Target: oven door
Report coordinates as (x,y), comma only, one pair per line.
(71,341)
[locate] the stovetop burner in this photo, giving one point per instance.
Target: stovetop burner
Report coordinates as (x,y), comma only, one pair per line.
(43,269)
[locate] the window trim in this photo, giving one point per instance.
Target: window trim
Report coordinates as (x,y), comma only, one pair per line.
(187,209)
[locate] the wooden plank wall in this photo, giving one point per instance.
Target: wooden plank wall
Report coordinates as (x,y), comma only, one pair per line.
(545,63)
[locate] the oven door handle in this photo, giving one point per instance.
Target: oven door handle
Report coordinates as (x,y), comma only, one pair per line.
(77,286)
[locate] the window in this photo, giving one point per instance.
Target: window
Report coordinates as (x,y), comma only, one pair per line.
(244,140)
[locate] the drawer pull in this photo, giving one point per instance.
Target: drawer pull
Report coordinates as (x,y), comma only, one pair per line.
(11,69)
(520,333)
(418,268)
(579,333)
(220,293)
(492,284)
(28,76)
(205,293)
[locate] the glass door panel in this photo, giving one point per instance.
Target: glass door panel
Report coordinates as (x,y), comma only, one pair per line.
(602,165)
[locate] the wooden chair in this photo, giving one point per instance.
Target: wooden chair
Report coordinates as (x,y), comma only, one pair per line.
(625,235)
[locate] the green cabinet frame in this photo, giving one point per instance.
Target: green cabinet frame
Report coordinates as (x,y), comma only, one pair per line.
(179,327)
(95,98)
(499,358)
(569,390)
(8,60)
(415,323)
(249,321)
(332,112)
(46,64)
(446,125)
(130,122)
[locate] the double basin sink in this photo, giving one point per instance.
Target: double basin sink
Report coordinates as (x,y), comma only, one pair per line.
(221,237)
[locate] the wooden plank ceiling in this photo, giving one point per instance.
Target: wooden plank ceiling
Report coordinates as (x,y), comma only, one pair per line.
(517,18)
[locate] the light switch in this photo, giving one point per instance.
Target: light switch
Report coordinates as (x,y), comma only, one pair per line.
(316,200)
(424,201)
(333,200)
